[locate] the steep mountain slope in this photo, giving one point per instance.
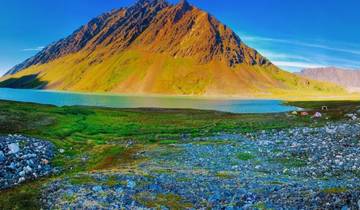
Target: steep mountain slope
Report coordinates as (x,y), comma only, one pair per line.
(343,77)
(155,47)
(122,25)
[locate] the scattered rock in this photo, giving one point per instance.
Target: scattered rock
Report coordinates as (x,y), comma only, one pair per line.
(18,165)
(270,168)
(21,179)
(131,184)
(2,157)
(27,169)
(44,162)
(97,188)
(351,116)
(330,130)
(13,148)
(22,173)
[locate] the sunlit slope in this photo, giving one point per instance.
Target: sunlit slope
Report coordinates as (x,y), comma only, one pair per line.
(140,72)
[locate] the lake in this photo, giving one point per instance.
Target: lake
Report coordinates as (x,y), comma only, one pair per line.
(60,98)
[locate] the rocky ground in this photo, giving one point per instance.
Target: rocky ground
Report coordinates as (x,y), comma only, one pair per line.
(301,168)
(23,158)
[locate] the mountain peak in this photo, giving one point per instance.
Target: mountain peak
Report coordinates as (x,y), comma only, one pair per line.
(151,1)
(153,47)
(180,30)
(184,3)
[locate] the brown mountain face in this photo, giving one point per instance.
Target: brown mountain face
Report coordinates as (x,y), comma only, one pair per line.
(121,26)
(343,77)
(179,30)
(185,31)
(156,47)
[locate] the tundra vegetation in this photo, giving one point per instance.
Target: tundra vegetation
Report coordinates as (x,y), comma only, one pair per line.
(105,149)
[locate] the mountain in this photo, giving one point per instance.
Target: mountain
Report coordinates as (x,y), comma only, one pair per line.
(349,79)
(156,47)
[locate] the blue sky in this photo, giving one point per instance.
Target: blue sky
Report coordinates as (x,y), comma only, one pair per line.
(293,34)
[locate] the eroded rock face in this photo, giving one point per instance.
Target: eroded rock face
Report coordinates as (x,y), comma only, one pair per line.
(180,30)
(23,158)
(186,31)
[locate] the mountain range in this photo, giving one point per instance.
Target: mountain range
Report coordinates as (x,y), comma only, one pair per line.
(349,79)
(154,47)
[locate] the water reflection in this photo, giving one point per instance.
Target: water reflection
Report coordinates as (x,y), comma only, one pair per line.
(124,101)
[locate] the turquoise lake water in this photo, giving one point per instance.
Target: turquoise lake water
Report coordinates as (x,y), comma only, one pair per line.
(59,98)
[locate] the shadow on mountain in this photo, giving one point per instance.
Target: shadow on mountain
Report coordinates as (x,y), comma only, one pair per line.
(25,82)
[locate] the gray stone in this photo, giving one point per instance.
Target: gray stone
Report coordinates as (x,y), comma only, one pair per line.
(12,166)
(27,169)
(2,157)
(131,184)
(13,148)
(24,162)
(97,188)
(21,179)
(119,190)
(345,208)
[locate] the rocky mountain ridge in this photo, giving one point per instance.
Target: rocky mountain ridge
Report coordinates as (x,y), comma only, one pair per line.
(344,77)
(154,47)
(156,19)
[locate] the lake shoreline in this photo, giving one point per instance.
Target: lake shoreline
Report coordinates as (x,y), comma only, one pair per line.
(60,98)
(255,96)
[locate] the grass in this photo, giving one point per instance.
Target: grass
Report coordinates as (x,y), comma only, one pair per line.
(23,197)
(112,181)
(165,142)
(108,156)
(82,180)
(224,175)
(336,109)
(170,201)
(101,136)
(259,206)
(291,162)
(245,156)
(335,190)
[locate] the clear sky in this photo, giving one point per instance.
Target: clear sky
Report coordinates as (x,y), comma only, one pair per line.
(293,34)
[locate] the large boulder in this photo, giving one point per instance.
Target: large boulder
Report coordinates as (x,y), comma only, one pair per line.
(13,148)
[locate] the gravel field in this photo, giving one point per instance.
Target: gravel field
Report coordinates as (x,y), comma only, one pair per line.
(23,158)
(301,168)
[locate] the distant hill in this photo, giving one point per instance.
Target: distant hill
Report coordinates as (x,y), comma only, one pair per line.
(157,47)
(349,79)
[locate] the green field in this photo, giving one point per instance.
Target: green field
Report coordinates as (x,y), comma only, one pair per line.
(109,137)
